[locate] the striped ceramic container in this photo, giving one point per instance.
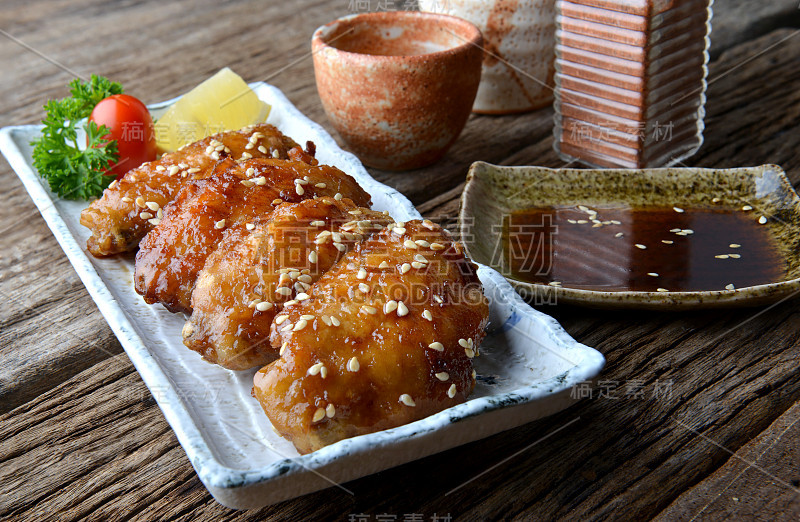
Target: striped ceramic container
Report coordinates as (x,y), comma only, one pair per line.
(630,80)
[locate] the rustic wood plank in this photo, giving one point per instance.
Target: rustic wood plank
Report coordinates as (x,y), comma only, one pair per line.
(760,478)
(115,457)
(253,45)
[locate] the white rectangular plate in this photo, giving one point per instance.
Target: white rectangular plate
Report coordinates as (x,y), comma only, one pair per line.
(527,367)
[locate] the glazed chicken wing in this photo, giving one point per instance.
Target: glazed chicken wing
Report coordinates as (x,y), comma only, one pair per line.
(171,256)
(258,267)
(128,208)
(386,337)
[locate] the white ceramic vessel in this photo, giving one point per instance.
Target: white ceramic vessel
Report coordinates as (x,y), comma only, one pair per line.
(519,40)
(528,367)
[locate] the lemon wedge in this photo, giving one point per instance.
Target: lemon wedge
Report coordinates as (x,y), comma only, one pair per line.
(223,102)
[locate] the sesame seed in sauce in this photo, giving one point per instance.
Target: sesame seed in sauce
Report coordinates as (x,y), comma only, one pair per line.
(428,224)
(418,265)
(661,290)
(318,415)
(463,343)
(422,243)
(407,400)
(410,244)
(276,154)
(161,168)
(145,215)
(762,220)
(340,247)
(291,302)
(321,185)
(404,268)
(287,327)
(734,256)
(317,223)
(439,347)
(154,221)
(283,348)
(722,256)
(302,297)
(678,210)
(730,287)
(427,315)
(152,205)
(315,368)
(747,208)
(667,241)
(652,274)
(323,372)
(174,169)
(399,230)
(299,189)
(335,321)
(249,226)
(640,246)
(219,224)
(402,309)
(369,309)
(283,291)
(443,376)
(312,257)
(451,391)
(262,149)
(390,306)
(362,274)
(281,318)
(126,199)
(305,278)
(330,411)
(263,306)
(353,365)
(383,264)
(337,197)
(246,183)
(437,246)
(140,202)
(363,288)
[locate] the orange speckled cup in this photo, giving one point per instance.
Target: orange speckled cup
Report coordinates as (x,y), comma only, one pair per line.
(398,86)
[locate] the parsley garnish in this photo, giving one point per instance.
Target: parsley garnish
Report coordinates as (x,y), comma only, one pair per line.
(71,172)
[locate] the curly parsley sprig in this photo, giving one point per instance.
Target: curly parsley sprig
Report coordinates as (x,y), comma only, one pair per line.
(71,172)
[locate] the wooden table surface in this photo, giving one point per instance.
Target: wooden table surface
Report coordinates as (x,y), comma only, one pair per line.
(713,435)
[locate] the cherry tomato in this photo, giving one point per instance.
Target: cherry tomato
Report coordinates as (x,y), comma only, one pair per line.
(131,126)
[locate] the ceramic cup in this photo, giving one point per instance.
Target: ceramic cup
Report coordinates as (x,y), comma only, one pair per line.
(398,86)
(519,36)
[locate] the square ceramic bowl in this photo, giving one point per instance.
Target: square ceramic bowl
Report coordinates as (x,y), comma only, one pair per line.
(493,192)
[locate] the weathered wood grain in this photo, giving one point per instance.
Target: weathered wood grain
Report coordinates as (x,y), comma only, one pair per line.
(755,481)
(96,446)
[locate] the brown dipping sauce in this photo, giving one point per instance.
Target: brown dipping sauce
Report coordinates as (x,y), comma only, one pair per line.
(601,248)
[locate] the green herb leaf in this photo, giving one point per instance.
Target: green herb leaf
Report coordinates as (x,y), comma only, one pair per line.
(73,173)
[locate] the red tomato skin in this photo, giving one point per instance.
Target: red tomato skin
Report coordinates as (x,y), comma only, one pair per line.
(131,126)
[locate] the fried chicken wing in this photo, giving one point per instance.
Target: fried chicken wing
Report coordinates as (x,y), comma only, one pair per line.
(384,338)
(257,268)
(171,256)
(124,214)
